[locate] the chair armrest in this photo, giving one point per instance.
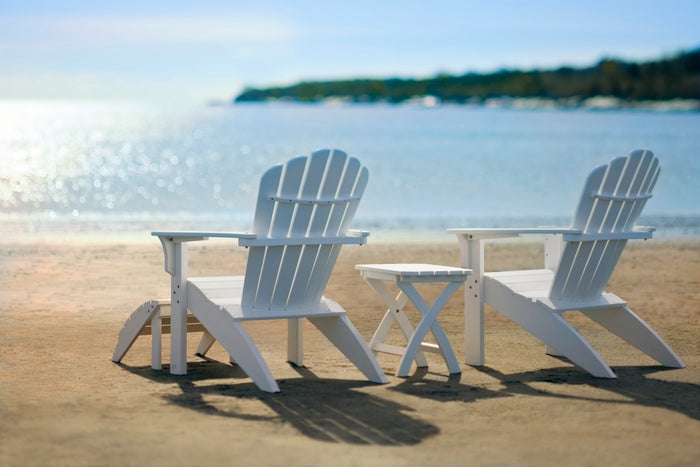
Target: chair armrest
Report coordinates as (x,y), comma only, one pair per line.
(196,236)
(471,243)
(358,233)
(638,232)
(177,241)
(487,233)
(298,241)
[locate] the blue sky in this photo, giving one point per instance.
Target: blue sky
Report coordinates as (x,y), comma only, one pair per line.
(195,51)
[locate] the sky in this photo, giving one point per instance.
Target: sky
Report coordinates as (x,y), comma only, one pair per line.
(211,50)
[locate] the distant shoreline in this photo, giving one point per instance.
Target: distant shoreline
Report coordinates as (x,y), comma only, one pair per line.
(596,103)
(671,83)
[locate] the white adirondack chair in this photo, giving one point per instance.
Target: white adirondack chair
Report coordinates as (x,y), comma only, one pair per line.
(578,264)
(302,217)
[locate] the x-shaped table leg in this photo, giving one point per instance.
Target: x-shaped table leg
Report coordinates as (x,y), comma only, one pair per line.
(394,313)
(429,321)
(414,337)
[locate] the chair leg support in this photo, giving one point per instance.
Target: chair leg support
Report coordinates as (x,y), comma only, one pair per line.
(552,329)
(626,324)
(239,345)
(569,343)
(340,331)
(231,335)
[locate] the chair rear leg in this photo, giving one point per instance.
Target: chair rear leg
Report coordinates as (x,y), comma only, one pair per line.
(626,324)
(340,331)
(295,341)
(205,343)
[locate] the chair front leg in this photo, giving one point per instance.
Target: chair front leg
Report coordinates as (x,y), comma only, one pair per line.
(176,266)
(472,257)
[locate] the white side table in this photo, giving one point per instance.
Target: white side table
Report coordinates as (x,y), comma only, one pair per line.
(404,276)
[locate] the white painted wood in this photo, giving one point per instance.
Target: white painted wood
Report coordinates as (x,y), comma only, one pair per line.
(405,271)
(340,331)
(308,182)
(495,233)
(394,314)
(404,276)
(295,338)
(626,324)
(149,320)
(175,236)
(428,322)
(578,264)
(636,234)
(205,343)
(178,310)
(333,222)
(302,218)
(547,326)
(156,340)
(290,241)
(472,257)
(231,335)
(134,326)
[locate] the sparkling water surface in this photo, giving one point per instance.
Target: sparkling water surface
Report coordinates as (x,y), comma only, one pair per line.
(121,167)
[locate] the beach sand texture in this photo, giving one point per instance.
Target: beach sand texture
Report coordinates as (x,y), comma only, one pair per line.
(63,402)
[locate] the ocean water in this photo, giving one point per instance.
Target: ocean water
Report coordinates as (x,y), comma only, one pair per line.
(126,167)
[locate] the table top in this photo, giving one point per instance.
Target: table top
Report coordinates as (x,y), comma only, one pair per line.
(415,270)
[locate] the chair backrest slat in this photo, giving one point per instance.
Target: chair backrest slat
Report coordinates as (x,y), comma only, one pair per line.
(639,187)
(264,210)
(354,181)
(600,219)
(280,221)
(612,200)
(307,189)
(313,196)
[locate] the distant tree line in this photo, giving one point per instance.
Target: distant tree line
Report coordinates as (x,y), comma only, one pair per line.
(668,78)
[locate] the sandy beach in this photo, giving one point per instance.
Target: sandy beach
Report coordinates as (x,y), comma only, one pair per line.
(64,402)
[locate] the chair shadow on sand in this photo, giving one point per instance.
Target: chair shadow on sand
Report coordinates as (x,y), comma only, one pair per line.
(345,415)
(632,385)
(321,409)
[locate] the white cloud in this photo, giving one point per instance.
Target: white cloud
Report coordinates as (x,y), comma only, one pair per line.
(146,31)
(109,86)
